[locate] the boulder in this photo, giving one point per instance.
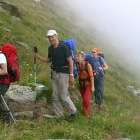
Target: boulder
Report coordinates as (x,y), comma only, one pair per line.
(25,102)
(20,98)
(122,139)
(133,90)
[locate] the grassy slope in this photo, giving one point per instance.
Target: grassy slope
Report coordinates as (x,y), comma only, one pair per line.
(122,113)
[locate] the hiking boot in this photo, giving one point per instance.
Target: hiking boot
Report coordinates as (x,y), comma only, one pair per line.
(52,115)
(98,108)
(72,116)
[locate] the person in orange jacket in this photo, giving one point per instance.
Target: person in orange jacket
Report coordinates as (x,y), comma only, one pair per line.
(86,81)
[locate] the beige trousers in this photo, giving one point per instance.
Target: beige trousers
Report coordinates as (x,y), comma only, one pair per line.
(60,95)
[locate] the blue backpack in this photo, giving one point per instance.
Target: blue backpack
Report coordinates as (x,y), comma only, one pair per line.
(89,57)
(72,45)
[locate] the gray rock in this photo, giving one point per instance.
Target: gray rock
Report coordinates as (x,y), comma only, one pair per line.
(136,92)
(21,93)
(20,98)
(133,90)
(123,139)
(130,88)
(22,101)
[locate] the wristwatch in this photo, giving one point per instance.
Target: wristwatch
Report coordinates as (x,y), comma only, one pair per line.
(71,74)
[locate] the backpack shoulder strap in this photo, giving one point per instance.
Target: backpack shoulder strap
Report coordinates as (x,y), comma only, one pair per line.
(100,59)
(71,51)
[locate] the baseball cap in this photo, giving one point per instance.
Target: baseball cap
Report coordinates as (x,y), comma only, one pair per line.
(51,33)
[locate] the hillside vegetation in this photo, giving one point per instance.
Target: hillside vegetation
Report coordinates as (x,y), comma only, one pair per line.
(25,25)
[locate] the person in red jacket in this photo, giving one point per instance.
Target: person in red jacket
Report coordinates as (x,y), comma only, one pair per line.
(86,81)
(8,74)
(4,83)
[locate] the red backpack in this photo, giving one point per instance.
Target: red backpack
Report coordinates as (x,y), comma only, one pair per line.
(9,50)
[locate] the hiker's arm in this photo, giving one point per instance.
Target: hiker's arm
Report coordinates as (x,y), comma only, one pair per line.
(3,69)
(90,72)
(71,76)
(41,58)
(92,84)
(104,64)
(70,62)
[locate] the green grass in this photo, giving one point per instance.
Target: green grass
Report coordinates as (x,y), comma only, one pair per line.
(116,121)
(121,116)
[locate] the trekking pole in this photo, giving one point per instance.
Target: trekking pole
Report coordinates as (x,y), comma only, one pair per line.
(35,77)
(7,108)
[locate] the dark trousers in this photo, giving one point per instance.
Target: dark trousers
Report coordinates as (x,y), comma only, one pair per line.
(3,90)
(99,89)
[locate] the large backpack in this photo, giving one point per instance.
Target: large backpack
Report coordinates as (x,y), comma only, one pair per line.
(72,45)
(88,57)
(9,50)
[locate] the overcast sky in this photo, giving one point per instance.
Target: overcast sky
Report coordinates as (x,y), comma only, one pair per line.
(117,20)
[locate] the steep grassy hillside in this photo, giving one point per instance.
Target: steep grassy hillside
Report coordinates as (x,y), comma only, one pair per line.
(30,28)
(121,116)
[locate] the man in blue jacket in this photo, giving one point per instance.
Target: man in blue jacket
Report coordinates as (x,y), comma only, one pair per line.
(99,66)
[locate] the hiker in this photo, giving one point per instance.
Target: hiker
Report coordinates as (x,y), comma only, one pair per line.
(3,71)
(9,72)
(3,85)
(100,66)
(86,81)
(62,74)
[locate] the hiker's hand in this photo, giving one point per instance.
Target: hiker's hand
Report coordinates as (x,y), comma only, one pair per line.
(35,50)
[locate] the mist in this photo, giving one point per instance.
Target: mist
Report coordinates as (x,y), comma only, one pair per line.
(117,22)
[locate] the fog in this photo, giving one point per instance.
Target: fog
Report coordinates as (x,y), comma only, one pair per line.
(116,21)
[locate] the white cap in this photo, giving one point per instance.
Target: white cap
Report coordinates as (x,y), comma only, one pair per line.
(51,33)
